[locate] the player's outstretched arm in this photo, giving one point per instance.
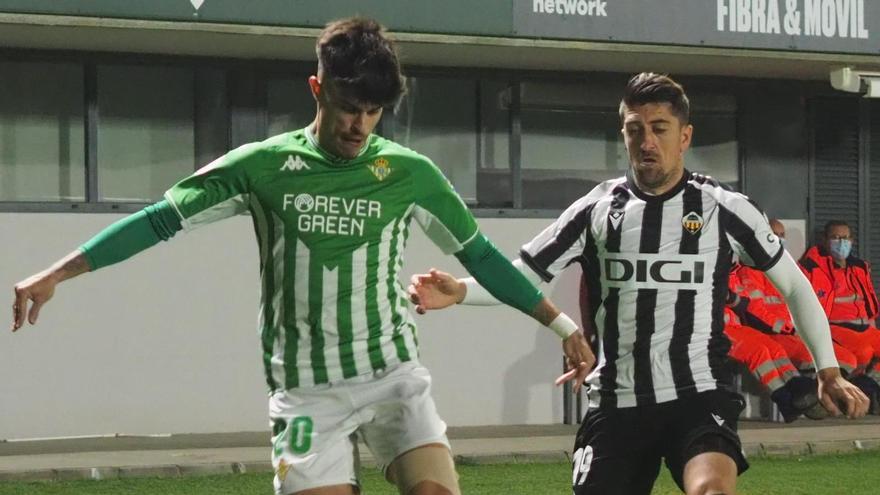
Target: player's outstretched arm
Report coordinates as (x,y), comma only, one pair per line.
(506,284)
(39,288)
(116,243)
(438,289)
(837,395)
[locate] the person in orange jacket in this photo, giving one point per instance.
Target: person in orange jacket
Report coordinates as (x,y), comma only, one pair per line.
(762,310)
(766,311)
(767,361)
(842,283)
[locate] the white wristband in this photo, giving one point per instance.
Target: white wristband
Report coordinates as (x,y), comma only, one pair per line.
(563,326)
(477,295)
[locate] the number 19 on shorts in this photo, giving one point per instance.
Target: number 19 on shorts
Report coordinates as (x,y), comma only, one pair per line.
(581,461)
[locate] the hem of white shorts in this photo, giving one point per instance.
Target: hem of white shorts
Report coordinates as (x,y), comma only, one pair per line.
(444,440)
(322,484)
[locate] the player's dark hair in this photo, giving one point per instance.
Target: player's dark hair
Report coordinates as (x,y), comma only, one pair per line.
(834,223)
(360,59)
(649,87)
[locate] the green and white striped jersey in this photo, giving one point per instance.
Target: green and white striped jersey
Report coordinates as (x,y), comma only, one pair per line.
(331,235)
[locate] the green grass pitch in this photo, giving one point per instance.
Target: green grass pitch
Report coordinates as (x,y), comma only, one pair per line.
(844,474)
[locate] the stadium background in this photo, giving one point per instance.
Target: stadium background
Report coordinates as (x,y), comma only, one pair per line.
(106,103)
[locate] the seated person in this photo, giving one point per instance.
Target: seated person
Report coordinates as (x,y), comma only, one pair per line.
(793,393)
(766,311)
(843,285)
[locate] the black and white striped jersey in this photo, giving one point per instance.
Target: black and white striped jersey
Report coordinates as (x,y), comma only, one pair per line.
(656,269)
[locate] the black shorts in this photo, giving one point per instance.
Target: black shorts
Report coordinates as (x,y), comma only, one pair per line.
(618,451)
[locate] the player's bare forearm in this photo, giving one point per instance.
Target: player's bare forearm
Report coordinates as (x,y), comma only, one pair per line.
(545,312)
(39,288)
(70,266)
(67,267)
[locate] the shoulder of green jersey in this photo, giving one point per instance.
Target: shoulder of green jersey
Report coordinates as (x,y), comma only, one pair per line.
(290,152)
(438,232)
(295,141)
(242,152)
(232,206)
(390,149)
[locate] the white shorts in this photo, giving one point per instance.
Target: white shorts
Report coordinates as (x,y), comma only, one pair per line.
(315,429)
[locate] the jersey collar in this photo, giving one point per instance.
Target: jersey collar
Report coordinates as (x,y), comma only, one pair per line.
(330,157)
(631,183)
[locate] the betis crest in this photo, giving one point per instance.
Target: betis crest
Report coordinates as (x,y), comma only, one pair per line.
(283,468)
(380,168)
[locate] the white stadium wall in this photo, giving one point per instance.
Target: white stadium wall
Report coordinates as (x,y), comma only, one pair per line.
(167,342)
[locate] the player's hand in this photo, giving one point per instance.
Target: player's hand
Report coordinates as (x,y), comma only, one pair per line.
(839,396)
(435,290)
(39,289)
(579,359)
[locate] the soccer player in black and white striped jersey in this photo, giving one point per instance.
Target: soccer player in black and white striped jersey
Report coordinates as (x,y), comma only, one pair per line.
(656,247)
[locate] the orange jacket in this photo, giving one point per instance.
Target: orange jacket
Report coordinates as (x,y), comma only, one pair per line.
(762,306)
(846,293)
(731,318)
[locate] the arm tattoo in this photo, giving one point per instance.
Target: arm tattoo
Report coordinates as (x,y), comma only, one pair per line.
(72,265)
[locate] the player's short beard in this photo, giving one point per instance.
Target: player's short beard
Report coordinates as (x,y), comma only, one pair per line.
(652,178)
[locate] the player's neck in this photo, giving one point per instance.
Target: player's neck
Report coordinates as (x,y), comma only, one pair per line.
(314,129)
(314,136)
(662,189)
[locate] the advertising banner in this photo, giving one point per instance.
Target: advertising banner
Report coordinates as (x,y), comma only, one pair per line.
(834,26)
(844,26)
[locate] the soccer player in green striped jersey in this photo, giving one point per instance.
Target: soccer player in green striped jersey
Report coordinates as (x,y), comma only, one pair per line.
(332,206)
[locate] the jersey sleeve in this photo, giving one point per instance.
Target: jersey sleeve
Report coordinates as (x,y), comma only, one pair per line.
(216,191)
(561,242)
(440,211)
(749,233)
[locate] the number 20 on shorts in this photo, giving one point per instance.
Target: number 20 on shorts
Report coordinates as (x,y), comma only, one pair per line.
(297,435)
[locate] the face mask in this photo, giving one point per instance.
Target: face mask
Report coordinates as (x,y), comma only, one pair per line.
(840,248)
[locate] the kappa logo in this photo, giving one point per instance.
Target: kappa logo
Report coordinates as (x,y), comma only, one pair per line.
(718,419)
(692,222)
(295,164)
(380,168)
(616,217)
